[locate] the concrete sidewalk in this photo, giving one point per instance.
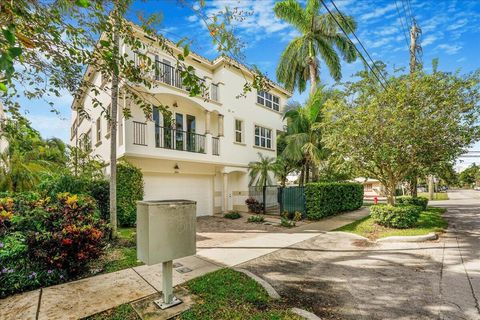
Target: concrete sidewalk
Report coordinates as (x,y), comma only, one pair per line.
(78,299)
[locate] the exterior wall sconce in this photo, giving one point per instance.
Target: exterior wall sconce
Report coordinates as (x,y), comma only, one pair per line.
(176,168)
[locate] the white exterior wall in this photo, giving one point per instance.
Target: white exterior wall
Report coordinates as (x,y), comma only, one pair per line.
(224,175)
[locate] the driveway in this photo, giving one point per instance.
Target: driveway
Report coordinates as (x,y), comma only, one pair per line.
(340,276)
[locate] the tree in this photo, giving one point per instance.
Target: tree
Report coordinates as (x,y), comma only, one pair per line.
(415,122)
(260,171)
(470,175)
(319,37)
(303,139)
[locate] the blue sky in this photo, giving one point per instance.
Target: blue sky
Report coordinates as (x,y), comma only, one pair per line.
(451,32)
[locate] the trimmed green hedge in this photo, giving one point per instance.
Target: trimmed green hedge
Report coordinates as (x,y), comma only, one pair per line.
(325,199)
(418,201)
(401,217)
(129,191)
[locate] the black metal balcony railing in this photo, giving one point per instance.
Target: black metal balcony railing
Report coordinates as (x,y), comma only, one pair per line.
(172,76)
(139,129)
(215,146)
(169,138)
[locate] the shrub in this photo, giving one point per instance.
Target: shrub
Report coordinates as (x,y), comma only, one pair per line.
(401,216)
(100,191)
(256,219)
(287,223)
(253,205)
(129,191)
(418,201)
(45,240)
(233,215)
(325,199)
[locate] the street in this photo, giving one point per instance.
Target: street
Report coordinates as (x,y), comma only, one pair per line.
(341,276)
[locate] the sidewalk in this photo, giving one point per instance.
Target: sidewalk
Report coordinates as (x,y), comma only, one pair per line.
(77,299)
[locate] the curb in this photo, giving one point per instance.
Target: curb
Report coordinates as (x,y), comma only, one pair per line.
(305,314)
(267,286)
(427,237)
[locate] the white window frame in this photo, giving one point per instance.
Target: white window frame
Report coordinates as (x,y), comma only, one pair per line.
(265,137)
(98,127)
(241,131)
(268,100)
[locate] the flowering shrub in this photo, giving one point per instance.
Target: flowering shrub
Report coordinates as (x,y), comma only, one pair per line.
(45,241)
(253,205)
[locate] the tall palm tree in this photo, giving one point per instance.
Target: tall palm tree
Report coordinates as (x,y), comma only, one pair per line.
(319,36)
(304,134)
(259,171)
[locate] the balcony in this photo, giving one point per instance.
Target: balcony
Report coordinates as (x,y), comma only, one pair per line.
(174,139)
(172,76)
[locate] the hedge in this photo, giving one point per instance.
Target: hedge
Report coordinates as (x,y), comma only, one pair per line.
(400,216)
(418,201)
(129,191)
(325,199)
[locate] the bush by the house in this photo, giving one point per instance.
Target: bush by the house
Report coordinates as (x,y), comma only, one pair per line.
(256,219)
(400,216)
(232,215)
(253,205)
(418,201)
(46,240)
(129,191)
(325,199)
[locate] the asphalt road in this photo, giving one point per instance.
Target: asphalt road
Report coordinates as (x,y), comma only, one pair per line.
(339,276)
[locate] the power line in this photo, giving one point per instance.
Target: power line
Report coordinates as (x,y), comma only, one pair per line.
(360,42)
(401,23)
(346,35)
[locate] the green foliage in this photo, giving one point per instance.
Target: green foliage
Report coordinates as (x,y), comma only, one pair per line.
(325,199)
(259,171)
(470,175)
(422,202)
(322,39)
(256,219)
(232,215)
(253,205)
(377,129)
(129,191)
(401,216)
(430,221)
(46,240)
(287,223)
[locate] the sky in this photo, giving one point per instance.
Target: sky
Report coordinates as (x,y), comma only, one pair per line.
(450,32)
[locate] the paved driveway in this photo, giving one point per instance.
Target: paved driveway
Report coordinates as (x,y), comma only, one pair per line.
(339,276)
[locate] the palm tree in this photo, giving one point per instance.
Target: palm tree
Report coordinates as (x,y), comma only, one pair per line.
(319,36)
(259,171)
(304,134)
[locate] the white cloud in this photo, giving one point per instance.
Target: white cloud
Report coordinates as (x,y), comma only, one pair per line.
(449,49)
(192,18)
(428,40)
(457,25)
(51,126)
(378,12)
(386,31)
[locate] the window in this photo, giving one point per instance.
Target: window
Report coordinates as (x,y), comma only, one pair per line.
(263,137)
(214,92)
(268,100)
(238,131)
(99,129)
(368,187)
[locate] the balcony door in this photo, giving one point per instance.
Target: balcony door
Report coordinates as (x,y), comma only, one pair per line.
(167,72)
(179,132)
(191,127)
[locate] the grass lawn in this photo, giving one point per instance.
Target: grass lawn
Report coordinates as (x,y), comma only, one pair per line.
(436,195)
(430,221)
(121,254)
(223,294)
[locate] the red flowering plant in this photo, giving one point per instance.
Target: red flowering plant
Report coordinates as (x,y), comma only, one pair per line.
(73,235)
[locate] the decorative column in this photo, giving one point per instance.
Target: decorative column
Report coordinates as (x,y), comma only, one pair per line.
(208,135)
(225,193)
(220,125)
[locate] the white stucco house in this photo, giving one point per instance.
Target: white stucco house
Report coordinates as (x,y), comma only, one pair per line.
(371,187)
(204,155)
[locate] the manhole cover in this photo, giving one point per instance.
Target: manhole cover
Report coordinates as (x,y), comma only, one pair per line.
(177,265)
(184,270)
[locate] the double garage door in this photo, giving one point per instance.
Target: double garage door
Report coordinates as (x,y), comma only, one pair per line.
(198,188)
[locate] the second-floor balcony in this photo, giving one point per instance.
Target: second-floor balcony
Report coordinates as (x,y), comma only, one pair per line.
(170,75)
(175,139)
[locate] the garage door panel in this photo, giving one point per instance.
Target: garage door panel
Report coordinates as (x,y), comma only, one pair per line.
(170,187)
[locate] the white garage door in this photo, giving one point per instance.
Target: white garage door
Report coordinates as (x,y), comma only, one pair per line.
(175,186)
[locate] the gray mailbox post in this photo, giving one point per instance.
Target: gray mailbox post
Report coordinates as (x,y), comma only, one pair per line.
(166,231)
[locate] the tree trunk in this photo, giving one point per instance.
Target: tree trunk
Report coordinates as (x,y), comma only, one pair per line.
(413,187)
(300,179)
(390,191)
(312,66)
(113,134)
(307,172)
(314,172)
(430,187)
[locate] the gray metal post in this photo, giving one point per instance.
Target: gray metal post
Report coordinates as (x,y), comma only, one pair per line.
(167,282)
